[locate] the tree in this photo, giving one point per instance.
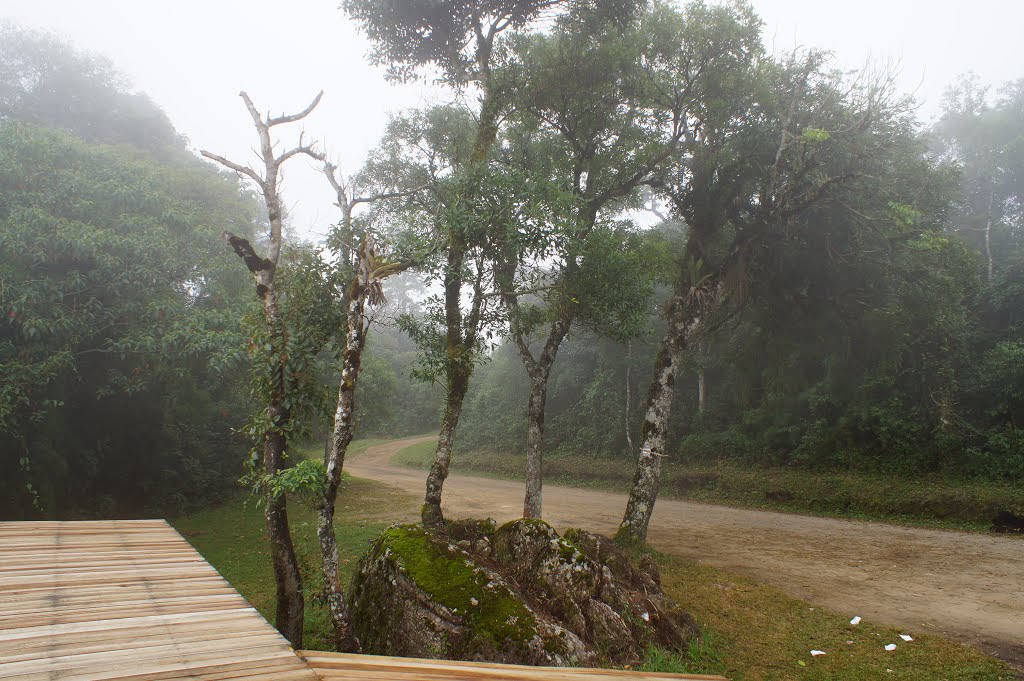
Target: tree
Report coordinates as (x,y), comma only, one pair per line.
(461,39)
(983,139)
(598,117)
(792,137)
(273,429)
(363,268)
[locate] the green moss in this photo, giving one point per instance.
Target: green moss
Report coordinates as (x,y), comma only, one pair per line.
(450,579)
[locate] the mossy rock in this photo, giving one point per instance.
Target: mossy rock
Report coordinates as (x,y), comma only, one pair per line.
(517,593)
(474,536)
(416,594)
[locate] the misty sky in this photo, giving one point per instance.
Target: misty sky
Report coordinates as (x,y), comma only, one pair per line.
(193,56)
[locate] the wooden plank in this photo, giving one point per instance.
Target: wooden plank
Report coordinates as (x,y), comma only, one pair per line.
(132,600)
(341,666)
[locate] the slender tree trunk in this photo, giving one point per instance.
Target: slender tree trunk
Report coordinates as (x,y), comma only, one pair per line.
(701,391)
(647,477)
(355,340)
(288,579)
(629,395)
(458,384)
(287,575)
(533,501)
(539,369)
(988,235)
(684,317)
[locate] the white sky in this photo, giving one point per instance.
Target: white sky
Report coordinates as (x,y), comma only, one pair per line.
(193,56)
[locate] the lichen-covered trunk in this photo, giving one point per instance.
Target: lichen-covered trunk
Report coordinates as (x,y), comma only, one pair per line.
(683,318)
(345,640)
(288,579)
(458,384)
(533,501)
(539,370)
(647,478)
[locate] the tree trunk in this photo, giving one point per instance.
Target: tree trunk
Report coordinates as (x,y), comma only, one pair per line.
(533,501)
(684,317)
(629,394)
(458,384)
(539,369)
(988,235)
(345,640)
(701,390)
(288,579)
(647,478)
(290,604)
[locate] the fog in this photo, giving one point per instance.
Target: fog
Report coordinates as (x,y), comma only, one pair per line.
(194,57)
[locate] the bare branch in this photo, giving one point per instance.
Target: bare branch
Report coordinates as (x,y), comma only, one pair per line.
(240,169)
(253,111)
(271,122)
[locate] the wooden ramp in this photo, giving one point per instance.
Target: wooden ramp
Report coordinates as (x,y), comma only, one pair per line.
(126,600)
(342,667)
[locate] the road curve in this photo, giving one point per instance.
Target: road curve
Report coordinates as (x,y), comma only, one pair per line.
(967,586)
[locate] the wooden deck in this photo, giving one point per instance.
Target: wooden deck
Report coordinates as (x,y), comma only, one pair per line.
(126,600)
(132,600)
(342,667)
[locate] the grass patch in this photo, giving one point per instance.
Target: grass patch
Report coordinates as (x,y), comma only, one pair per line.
(924,501)
(232,537)
(419,455)
(758,632)
(315,450)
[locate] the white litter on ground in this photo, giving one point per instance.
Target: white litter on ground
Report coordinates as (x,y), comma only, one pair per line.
(905,637)
(815,653)
(891,646)
(855,621)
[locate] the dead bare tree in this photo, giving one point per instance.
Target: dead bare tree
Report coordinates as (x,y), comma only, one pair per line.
(290,604)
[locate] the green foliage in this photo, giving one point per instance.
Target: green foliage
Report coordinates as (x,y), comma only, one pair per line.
(119,332)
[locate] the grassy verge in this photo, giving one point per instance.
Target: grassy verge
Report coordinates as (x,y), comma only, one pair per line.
(929,502)
(752,631)
(232,537)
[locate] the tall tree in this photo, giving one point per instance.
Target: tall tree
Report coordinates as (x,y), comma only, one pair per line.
(983,138)
(790,137)
(274,428)
(462,40)
(598,116)
(363,268)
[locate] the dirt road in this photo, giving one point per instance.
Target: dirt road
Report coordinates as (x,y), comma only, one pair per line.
(967,586)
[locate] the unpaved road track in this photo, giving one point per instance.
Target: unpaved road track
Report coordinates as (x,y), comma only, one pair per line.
(967,586)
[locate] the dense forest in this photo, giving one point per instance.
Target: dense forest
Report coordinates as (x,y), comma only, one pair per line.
(830,282)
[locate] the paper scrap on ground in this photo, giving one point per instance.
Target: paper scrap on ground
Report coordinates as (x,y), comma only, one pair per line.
(855,621)
(815,653)
(905,637)
(891,646)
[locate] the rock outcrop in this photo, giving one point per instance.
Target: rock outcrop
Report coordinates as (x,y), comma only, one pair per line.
(518,593)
